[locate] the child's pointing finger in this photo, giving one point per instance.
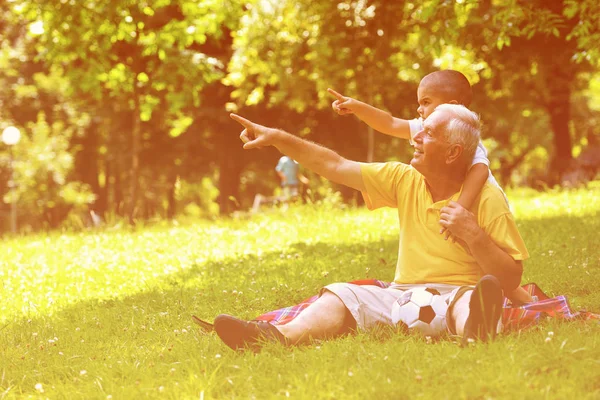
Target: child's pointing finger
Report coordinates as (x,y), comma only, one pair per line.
(336,94)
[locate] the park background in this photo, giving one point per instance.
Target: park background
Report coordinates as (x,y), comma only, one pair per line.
(123,106)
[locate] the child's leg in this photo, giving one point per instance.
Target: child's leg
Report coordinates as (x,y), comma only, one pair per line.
(519,296)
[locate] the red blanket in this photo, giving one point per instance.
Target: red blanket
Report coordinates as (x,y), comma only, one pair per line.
(513,318)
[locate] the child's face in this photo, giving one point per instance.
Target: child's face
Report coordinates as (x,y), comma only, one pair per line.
(428,99)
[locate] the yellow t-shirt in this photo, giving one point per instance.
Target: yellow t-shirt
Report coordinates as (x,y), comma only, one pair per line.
(423,254)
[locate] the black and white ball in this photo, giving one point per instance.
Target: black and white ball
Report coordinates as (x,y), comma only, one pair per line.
(422,309)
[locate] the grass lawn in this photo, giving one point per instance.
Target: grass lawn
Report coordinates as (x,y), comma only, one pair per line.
(106,314)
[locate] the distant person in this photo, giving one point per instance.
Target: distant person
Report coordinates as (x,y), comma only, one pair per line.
(290,176)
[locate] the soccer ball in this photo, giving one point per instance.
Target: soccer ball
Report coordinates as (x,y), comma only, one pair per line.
(422,309)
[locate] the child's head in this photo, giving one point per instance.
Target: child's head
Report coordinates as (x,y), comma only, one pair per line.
(442,87)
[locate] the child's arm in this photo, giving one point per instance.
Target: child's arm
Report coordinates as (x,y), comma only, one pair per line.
(377,119)
(474,181)
(519,296)
(476,177)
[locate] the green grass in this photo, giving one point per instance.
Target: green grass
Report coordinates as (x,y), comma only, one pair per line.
(107,314)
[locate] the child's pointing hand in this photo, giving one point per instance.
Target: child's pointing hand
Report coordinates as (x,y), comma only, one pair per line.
(342,105)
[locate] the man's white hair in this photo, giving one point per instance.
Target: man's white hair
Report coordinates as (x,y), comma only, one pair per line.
(463,127)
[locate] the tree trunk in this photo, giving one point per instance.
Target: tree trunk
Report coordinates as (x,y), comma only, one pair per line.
(86,165)
(108,182)
(230,170)
(559,72)
(370,144)
(560,115)
(171,201)
(370,130)
(101,202)
(231,162)
(228,147)
(135,159)
(118,186)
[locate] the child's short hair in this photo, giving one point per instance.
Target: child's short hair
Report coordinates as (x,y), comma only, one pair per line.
(452,85)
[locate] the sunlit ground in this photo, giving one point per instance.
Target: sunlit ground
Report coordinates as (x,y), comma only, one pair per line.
(107,313)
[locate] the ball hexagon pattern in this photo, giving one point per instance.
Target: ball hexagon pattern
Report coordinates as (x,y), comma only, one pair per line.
(421,309)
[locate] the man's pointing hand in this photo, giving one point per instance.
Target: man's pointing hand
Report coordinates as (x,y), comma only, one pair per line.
(254,135)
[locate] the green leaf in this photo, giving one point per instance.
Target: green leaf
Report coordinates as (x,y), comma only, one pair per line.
(143,77)
(180,125)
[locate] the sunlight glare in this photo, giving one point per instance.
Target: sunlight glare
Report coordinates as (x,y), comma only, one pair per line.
(37,28)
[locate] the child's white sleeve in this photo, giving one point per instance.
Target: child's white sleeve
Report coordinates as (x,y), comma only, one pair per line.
(416,126)
(481,156)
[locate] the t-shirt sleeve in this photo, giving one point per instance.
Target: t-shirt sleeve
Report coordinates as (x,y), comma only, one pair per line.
(383,182)
(481,155)
(415,125)
(503,231)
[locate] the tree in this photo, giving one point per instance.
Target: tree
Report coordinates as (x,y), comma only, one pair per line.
(141,56)
(39,105)
(311,46)
(535,51)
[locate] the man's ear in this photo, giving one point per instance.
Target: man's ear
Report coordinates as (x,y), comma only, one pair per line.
(453,153)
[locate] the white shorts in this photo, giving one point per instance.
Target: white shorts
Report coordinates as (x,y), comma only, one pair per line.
(372,305)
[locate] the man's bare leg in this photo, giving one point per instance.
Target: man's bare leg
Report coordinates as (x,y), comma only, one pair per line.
(327,317)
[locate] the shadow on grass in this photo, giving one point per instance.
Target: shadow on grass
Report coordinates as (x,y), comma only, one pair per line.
(246,287)
(564,251)
(152,331)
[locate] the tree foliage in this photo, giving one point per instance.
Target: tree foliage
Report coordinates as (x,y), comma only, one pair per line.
(136,95)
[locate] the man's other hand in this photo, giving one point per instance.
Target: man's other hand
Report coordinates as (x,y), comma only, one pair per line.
(460,222)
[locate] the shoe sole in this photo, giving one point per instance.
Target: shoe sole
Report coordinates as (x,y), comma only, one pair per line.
(486,294)
(231,331)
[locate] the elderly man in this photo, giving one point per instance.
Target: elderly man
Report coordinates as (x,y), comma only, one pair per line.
(471,275)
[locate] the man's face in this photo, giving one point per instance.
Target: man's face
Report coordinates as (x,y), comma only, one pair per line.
(427,98)
(431,145)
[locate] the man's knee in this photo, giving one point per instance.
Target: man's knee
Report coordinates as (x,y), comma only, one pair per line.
(339,311)
(332,300)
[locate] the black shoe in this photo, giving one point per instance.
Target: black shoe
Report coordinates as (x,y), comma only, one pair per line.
(485,309)
(239,334)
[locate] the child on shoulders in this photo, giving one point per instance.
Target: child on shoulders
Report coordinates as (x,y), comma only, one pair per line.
(437,88)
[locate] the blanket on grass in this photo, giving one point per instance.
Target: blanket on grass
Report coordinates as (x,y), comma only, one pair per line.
(513,317)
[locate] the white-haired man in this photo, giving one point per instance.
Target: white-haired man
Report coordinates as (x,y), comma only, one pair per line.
(471,275)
